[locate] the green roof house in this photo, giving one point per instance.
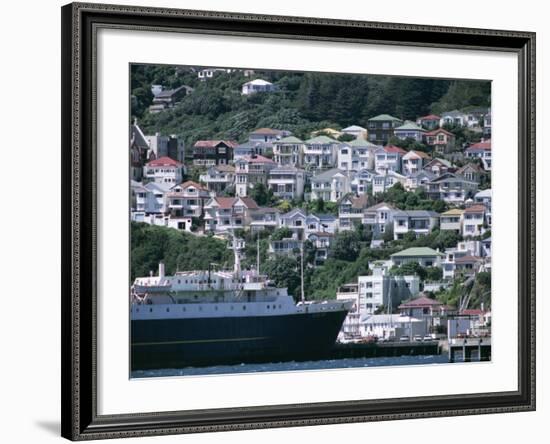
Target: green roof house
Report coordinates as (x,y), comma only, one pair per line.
(424,256)
(381,128)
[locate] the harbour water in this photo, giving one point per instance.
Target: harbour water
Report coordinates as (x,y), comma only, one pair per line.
(294,366)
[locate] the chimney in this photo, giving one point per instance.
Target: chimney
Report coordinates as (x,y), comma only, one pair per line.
(161,270)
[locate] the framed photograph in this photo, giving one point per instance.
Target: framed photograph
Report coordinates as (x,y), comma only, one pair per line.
(278,221)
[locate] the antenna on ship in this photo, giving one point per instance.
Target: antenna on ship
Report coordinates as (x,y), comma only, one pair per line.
(302,271)
(258,253)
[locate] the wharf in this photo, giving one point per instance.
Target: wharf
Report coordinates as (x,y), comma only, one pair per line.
(469,349)
(384,349)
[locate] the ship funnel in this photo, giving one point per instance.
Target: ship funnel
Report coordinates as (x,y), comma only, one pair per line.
(161,270)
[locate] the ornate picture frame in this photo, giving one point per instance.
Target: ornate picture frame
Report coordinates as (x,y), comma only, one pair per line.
(80,176)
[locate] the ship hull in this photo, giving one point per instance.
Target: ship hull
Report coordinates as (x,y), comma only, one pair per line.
(198,342)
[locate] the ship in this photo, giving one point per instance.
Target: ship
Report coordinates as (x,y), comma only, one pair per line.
(217,316)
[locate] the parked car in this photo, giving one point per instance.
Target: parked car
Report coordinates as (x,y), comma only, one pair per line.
(427,338)
(417,338)
(404,338)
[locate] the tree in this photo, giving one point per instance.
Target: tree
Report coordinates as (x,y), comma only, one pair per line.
(281,233)
(261,194)
(409,236)
(346,246)
(284,272)
(409,268)
(434,274)
(388,232)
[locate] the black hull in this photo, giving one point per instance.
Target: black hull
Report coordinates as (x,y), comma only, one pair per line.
(178,343)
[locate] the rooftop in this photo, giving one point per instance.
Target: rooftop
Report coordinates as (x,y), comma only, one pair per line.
(289,139)
(475,209)
(164,161)
(410,126)
(321,140)
(453,212)
(384,117)
(417,252)
(421,302)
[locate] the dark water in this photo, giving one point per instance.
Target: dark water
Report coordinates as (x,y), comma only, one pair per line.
(290,366)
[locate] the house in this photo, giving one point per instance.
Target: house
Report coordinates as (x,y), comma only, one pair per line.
(381,289)
(218,178)
(228,213)
(378,218)
(453,118)
(362,180)
(288,151)
(257,85)
(322,241)
(475,116)
(429,122)
(355,131)
(451,188)
(295,220)
(356,155)
(330,185)
(250,171)
(413,162)
(320,152)
(440,141)
(329,132)
(423,256)
(285,247)
(168,98)
(409,130)
(420,222)
(381,128)
(474,221)
(388,158)
(431,310)
(351,326)
(139,152)
(438,166)
(452,220)
(208,73)
(487,125)
(267,136)
(351,211)
(485,197)
(468,265)
(472,172)
(166,146)
(392,325)
(418,180)
(250,149)
(143,198)
(164,170)
(382,182)
(187,200)
(486,247)
(265,218)
(213,152)
(287,182)
(480,150)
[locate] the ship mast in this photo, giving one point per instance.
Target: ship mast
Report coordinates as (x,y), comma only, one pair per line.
(302,271)
(258,254)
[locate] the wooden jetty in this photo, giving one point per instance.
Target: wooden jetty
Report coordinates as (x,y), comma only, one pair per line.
(384,349)
(469,349)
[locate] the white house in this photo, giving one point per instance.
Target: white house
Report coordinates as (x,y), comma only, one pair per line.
(287,182)
(383,289)
(267,136)
(382,182)
(355,131)
(388,158)
(485,197)
(351,211)
(228,213)
(361,181)
(438,166)
(453,118)
(452,220)
(414,161)
(480,150)
(265,218)
(451,188)
(409,130)
(418,180)
(330,185)
(356,155)
(143,199)
(474,221)
(187,200)
(288,151)
(423,256)
(378,217)
(257,85)
(218,178)
(420,222)
(165,170)
(392,325)
(251,170)
(320,152)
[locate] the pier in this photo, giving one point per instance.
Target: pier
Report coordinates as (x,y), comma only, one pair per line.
(469,349)
(384,349)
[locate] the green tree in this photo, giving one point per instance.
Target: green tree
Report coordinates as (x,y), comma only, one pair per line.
(346,246)
(281,233)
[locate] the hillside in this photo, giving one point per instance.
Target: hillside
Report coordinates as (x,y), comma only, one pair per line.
(303,103)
